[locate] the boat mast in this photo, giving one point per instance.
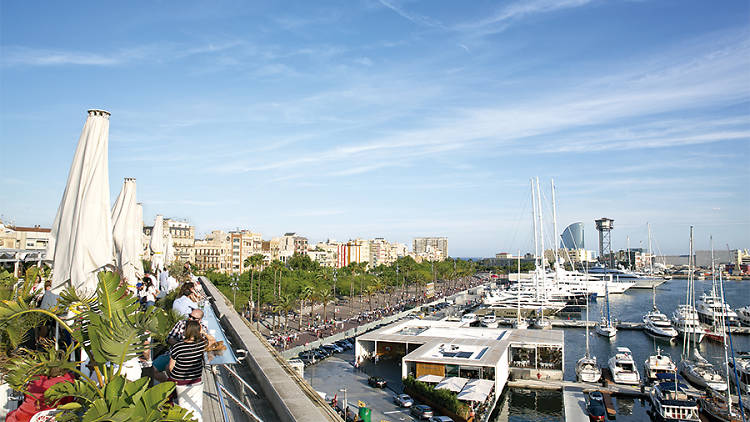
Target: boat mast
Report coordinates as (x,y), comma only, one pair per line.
(554,227)
(541,226)
(518,293)
(587,325)
(536,241)
(691,292)
(724,329)
(651,269)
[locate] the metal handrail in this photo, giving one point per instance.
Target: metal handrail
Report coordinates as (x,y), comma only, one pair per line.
(239,378)
(237,401)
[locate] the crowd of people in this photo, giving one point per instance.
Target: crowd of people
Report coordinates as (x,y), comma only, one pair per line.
(350,313)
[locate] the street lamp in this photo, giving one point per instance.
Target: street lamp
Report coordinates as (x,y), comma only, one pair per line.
(233,286)
(343,390)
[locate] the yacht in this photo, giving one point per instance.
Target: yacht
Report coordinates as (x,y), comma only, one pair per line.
(489,320)
(743,314)
(587,369)
(657,324)
(605,328)
(469,318)
(542,323)
(623,367)
(639,281)
(742,371)
(710,308)
(686,322)
(670,402)
(658,364)
(701,373)
(718,408)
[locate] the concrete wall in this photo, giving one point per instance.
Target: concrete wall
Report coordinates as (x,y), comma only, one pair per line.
(287,393)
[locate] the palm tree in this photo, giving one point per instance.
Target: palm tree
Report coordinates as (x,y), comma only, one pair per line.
(324,294)
(306,294)
(254,262)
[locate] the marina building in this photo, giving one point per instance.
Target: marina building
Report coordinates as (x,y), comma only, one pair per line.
(447,349)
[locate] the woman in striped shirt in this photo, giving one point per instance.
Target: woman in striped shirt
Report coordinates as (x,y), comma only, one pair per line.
(186,367)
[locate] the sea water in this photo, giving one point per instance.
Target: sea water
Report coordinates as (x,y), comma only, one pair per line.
(543,406)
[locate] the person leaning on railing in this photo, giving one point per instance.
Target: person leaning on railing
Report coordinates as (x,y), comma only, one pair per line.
(186,368)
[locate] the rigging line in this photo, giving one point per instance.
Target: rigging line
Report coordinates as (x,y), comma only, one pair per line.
(518,224)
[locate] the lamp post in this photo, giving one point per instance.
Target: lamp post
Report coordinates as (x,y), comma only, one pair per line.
(343,390)
(233,286)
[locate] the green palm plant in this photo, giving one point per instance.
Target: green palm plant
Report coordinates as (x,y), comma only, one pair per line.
(324,294)
(254,262)
(109,327)
(306,294)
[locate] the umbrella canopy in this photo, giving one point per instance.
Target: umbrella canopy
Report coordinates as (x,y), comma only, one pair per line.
(484,386)
(169,250)
(139,224)
(454,384)
(472,395)
(157,244)
(81,235)
(126,233)
(430,379)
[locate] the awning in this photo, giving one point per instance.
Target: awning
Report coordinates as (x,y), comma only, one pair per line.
(472,394)
(454,384)
(430,379)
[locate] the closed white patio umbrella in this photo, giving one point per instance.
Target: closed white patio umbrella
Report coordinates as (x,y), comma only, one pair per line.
(169,256)
(157,244)
(81,236)
(126,233)
(141,242)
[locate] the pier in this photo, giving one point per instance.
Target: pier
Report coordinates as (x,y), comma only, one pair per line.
(624,325)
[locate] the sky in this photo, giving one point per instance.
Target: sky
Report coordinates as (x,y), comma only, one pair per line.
(395,119)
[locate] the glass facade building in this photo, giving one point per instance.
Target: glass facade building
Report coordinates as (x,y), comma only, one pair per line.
(572,237)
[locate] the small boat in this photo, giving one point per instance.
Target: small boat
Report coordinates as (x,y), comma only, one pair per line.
(717,408)
(715,334)
(742,371)
(711,308)
(670,402)
(686,322)
(469,318)
(743,314)
(657,324)
(542,324)
(489,320)
(587,369)
(658,364)
(701,373)
(605,327)
(623,367)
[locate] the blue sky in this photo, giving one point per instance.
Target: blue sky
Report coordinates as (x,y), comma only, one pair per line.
(391,118)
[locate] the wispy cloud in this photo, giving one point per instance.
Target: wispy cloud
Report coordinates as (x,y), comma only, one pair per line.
(502,18)
(413,17)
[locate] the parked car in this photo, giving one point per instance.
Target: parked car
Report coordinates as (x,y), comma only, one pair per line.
(403,400)
(440,419)
(307,361)
(596,410)
(421,411)
(327,353)
(377,382)
(344,344)
(332,348)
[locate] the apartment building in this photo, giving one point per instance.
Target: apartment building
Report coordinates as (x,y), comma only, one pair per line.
(431,248)
(183,238)
(245,243)
(214,252)
(284,247)
(30,238)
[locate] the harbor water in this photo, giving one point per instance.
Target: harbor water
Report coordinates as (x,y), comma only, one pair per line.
(543,406)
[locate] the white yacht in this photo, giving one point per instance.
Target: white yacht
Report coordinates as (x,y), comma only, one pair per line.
(710,308)
(657,324)
(469,318)
(623,367)
(605,328)
(658,364)
(489,320)
(619,275)
(701,373)
(743,314)
(686,322)
(743,371)
(587,369)
(670,402)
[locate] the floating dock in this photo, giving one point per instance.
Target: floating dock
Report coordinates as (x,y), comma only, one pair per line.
(624,325)
(574,401)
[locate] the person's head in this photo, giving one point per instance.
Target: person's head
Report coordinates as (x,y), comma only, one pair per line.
(186,289)
(192,330)
(195,315)
(147,282)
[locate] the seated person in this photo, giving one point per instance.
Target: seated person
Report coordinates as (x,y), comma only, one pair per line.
(177,334)
(187,301)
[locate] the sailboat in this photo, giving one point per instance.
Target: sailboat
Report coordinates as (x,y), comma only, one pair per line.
(655,322)
(520,323)
(605,327)
(587,369)
(693,366)
(716,405)
(685,317)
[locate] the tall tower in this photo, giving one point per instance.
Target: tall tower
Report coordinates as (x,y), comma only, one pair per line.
(605,226)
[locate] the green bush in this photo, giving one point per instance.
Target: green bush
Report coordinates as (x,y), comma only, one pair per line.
(445,398)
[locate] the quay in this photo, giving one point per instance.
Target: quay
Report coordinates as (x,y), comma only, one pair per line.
(574,402)
(617,390)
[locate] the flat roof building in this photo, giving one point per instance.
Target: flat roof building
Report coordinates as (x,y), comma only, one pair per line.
(450,349)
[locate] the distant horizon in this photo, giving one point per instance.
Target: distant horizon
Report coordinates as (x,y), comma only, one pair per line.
(392,118)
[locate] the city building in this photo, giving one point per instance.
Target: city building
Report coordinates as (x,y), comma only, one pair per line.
(572,237)
(284,247)
(353,251)
(431,248)
(27,238)
(214,252)
(325,253)
(245,243)
(451,349)
(183,238)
